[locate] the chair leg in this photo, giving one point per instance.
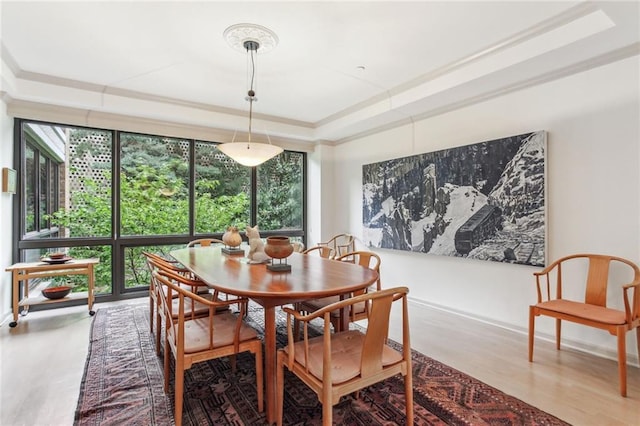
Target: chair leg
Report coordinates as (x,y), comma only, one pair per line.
(167,354)
(327,405)
(232,362)
(558,332)
(337,324)
(296,324)
(296,330)
(408,393)
(178,391)
(622,359)
(638,341)
(151,313)
(158,331)
(532,325)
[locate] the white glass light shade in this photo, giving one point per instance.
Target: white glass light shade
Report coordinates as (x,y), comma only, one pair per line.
(250,154)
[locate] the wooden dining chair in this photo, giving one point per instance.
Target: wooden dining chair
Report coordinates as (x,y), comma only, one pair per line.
(592,310)
(175,266)
(322,251)
(155,316)
(204,242)
(357,312)
(325,252)
(341,244)
(209,242)
(191,340)
(156,262)
(337,364)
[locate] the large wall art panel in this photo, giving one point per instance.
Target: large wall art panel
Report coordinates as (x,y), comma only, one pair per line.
(482,201)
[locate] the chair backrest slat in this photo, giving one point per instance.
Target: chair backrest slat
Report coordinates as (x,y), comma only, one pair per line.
(367,259)
(341,244)
(597,281)
(376,335)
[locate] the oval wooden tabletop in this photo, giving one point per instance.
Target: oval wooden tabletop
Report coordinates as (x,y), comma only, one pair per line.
(310,276)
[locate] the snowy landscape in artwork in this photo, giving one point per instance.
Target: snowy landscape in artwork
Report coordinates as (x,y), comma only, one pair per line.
(482,201)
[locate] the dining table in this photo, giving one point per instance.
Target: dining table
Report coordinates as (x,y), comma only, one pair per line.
(310,277)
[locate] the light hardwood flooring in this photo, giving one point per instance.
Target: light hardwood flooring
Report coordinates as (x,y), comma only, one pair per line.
(42,361)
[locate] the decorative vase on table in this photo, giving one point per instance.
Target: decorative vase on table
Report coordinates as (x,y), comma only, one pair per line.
(278,248)
(232,240)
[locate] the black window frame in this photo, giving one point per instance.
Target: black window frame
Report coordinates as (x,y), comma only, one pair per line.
(119,243)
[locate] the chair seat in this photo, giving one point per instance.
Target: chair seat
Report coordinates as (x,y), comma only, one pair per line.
(196,332)
(346,352)
(585,311)
(316,304)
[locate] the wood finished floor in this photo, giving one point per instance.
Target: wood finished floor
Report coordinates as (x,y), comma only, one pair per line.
(42,360)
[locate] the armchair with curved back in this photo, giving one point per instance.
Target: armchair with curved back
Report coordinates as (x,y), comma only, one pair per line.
(191,340)
(341,244)
(337,364)
(209,242)
(592,310)
(155,262)
(359,311)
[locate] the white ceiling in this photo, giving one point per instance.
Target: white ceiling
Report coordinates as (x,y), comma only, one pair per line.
(421,58)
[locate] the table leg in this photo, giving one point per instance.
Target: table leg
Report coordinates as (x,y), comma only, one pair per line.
(344,315)
(15,298)
(90,294)
(270,361)
(25,293)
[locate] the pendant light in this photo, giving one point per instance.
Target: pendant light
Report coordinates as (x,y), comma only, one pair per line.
(250,153)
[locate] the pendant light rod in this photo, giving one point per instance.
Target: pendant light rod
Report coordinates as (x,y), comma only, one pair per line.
(250,37)
(252,48)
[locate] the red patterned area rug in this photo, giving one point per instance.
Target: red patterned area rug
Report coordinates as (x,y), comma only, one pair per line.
(123,384)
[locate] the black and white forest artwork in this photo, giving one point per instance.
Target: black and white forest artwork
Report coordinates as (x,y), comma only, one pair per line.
(483,201)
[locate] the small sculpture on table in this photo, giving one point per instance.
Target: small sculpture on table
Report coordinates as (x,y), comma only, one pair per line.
(232,240)
(279,247)
(256,246)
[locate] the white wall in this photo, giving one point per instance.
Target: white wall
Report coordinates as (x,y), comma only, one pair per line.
(6,213)
(593,126)
(593,179)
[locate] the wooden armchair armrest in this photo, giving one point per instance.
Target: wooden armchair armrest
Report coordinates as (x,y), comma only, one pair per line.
(547,269)
(297,315)
(217,303)
(629,310)
(544,276)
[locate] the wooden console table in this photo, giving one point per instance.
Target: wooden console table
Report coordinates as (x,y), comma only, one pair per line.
(23,272)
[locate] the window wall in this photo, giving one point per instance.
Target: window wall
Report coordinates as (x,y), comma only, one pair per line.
(112,195)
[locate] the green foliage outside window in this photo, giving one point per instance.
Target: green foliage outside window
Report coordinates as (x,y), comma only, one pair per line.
(154,199)
(149,213)
(280,192)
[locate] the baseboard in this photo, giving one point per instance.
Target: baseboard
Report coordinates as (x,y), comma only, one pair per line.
(632,358)
(6,317)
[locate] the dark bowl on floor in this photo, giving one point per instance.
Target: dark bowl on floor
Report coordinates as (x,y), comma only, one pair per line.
(56,292)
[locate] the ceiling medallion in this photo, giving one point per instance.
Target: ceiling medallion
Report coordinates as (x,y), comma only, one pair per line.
(236,35)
